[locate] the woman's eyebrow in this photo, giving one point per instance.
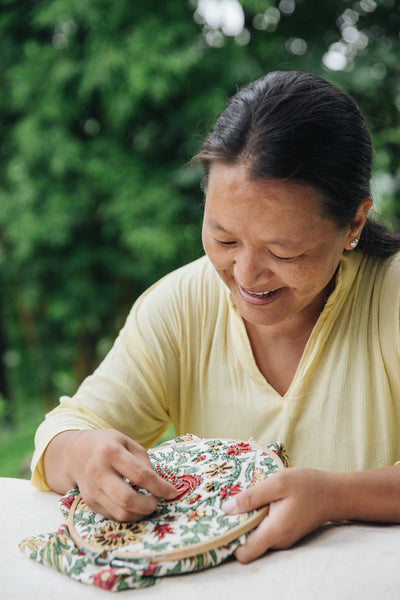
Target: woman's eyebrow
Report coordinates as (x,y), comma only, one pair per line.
(288,243)
(216,225)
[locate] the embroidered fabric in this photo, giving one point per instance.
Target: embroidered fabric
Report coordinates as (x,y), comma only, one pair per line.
(189,533)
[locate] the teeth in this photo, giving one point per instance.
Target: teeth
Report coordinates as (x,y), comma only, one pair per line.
(259,294)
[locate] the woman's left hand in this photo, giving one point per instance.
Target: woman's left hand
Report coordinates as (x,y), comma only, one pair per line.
(300,500)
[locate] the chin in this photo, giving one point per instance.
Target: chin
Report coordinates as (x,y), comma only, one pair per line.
(251,317)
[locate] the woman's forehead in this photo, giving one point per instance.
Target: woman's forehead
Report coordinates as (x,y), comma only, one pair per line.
(230,187)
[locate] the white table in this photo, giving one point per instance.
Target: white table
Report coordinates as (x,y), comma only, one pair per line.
(338,562)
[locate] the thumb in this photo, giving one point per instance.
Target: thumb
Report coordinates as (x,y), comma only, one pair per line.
(253,498)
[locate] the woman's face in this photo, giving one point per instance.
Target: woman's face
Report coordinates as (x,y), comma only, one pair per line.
(271,246)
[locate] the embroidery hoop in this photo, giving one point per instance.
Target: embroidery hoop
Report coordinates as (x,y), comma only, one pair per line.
(243,523)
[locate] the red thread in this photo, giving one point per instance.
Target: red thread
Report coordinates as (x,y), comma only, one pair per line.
(183,483)
(229,490)
(239,448)
(162,529)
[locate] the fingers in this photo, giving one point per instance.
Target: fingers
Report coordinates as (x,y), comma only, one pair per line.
(260,495)
(136,466)
(263,537)
(116,500)
(300,500)
(113,457)
(277,531)
(258,543)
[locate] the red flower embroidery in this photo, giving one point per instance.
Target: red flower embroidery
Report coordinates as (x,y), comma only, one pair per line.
(63,530)
(105,579)
(183,483)
(67,501)
(229,490)
(151,569)
(239,448)
(162,529)
(194,499)
(200,458)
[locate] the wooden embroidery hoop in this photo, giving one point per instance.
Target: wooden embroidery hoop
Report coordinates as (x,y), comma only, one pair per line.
(217,541)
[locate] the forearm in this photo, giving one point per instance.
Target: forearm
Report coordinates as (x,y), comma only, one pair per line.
(301,500)
(372,495)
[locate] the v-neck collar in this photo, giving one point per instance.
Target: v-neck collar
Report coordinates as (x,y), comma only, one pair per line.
(346,273)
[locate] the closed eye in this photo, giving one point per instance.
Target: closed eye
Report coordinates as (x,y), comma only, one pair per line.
(282,257)
(224,243)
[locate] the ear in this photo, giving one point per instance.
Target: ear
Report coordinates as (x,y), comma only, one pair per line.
(357,224)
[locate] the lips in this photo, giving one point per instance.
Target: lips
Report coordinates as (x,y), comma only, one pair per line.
(260,294)
(259,298)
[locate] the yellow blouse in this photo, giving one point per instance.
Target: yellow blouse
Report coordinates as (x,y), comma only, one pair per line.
(184,357)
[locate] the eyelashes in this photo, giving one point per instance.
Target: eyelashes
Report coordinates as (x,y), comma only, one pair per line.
(279,258)
(225,243)
(282,257)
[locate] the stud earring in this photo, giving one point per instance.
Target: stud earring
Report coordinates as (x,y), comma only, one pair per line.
(354,243)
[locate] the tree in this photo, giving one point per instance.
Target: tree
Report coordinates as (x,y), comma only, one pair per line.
(103,105)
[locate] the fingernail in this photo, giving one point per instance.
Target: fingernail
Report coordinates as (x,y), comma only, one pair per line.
(230,506)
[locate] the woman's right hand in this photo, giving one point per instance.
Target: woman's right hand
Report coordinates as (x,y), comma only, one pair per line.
(97,461)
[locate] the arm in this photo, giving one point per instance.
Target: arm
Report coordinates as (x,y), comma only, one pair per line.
(87,441)
(301,500)
(96,462)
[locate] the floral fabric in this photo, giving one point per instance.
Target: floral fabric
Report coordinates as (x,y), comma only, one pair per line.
(189,533)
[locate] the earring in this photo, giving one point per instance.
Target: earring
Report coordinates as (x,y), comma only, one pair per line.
(354,243)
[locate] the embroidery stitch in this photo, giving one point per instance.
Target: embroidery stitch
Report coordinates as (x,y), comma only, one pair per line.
(189,533)
(228,467)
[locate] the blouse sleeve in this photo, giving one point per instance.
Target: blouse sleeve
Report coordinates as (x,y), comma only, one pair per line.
(135,387)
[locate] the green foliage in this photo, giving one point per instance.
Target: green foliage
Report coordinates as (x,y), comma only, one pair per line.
(94,207)
(102,107)
(16,440)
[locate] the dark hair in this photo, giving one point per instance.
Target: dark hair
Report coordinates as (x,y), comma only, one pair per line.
(297,126)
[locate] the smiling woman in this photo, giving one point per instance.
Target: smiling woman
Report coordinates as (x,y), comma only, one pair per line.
(287,329)
(279,262)
(284,248)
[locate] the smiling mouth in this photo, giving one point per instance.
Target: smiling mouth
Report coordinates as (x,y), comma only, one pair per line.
(260,298)
(260,294)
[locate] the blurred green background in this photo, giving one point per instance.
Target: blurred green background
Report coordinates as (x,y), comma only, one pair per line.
(102,106)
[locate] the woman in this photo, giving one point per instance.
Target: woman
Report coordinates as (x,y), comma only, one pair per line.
(288,329)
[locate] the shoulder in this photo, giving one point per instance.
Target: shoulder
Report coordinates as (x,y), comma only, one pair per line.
(183,294)
(196,277)
(381,296)
(382,276)
(391,282)
(384,273)
(391,269)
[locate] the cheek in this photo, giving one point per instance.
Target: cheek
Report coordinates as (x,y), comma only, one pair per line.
(217,255)
(306,279)
(312,279)
(204,238)
(218,259)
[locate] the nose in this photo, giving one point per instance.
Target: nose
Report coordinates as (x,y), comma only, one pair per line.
(252,268)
